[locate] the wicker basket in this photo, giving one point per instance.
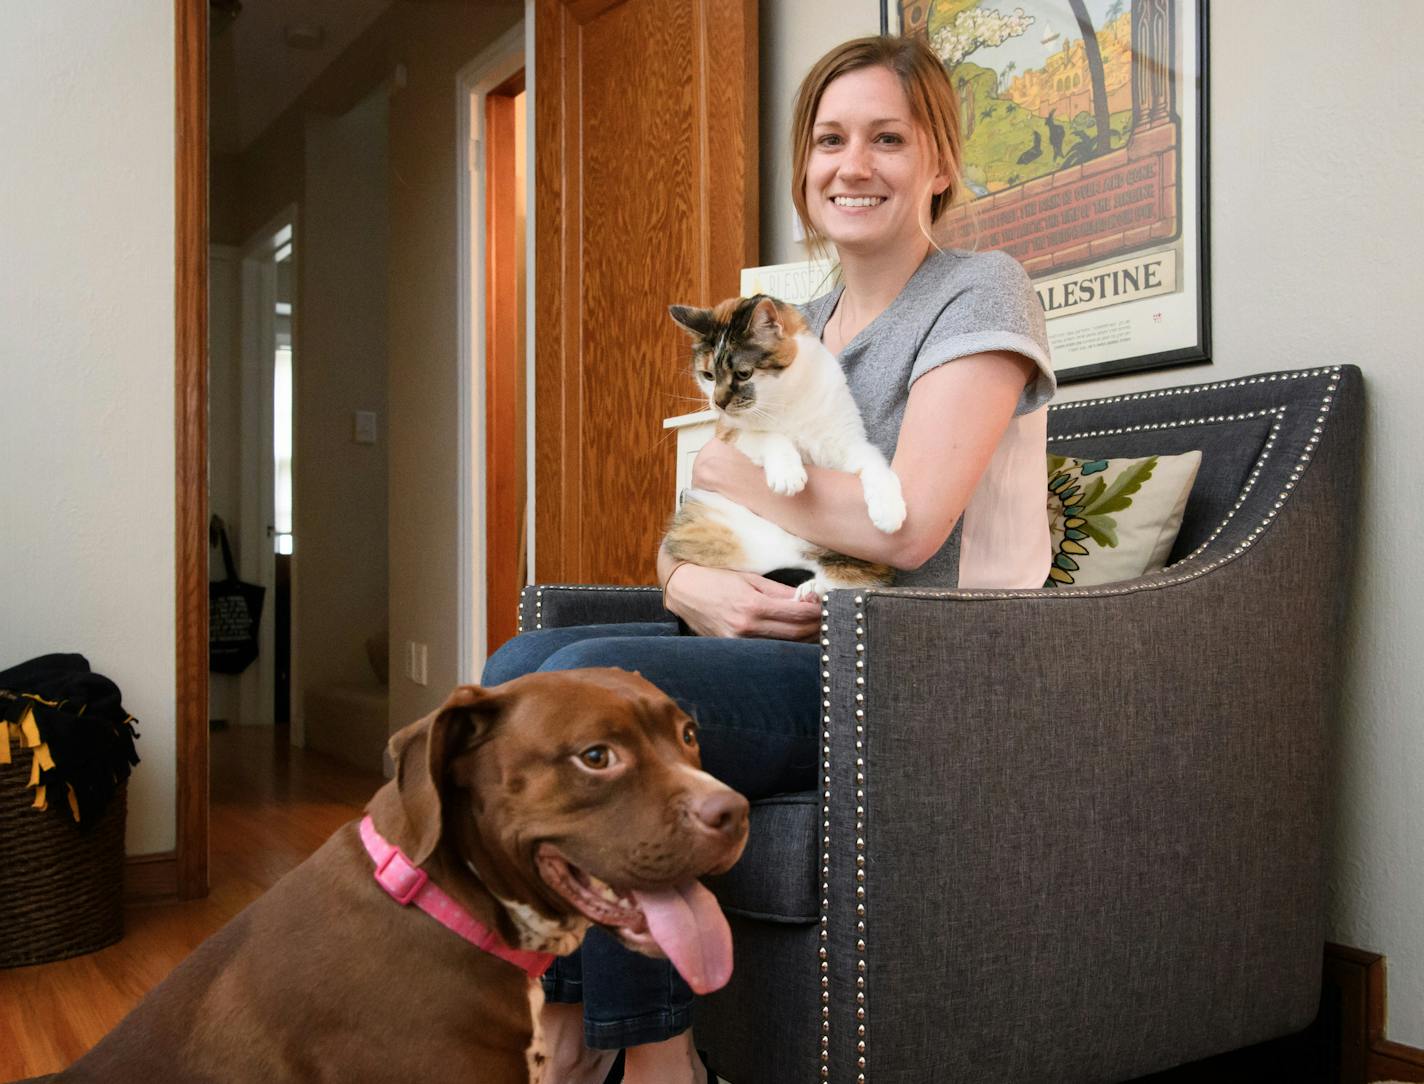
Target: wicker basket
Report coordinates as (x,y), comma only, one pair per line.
(61,886)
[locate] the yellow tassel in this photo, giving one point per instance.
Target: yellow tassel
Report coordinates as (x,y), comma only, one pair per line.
(4,742)
(29,728)
(40,801)
(74,804)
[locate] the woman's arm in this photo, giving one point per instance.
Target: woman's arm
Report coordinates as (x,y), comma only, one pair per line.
(719,602)
(955,418)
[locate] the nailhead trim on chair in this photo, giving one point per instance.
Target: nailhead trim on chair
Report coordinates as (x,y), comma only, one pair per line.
(1178,424)
(1278,413)
(860,902)
(539,595)
(825,1053)
(860,850)
(1333,370)
(1108,589)
(860,854)
(1164,579)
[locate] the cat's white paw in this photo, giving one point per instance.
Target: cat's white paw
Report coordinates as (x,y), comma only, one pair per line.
(785,476)
(886,507)
(811,590)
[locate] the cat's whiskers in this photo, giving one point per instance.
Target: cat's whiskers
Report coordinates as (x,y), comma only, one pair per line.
(757,413)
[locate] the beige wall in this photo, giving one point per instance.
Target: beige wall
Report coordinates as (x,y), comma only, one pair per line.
(430,41)
(440,39)
(86,361)
(340,487)
(1316,234)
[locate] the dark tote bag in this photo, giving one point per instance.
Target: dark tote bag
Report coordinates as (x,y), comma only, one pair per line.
(234,615)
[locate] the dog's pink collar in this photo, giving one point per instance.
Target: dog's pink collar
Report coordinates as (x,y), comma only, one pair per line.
(408,883)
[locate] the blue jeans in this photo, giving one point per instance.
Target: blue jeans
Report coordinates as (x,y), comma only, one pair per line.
(755,706)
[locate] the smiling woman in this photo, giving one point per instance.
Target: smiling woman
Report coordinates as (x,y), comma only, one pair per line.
(890,123)
(876,162)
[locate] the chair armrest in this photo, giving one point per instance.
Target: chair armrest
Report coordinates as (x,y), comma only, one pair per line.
(1082,832)
(1067,811)
(549,606)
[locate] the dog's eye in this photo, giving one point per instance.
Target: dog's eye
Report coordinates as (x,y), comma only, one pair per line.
(689,735)
(598,757)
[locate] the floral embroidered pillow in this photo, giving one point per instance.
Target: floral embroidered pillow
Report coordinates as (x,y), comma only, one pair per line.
(1115,519)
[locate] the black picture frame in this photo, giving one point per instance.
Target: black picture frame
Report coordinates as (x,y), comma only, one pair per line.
(1115,237)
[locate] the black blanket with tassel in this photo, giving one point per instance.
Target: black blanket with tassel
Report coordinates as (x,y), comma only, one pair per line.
(74,721)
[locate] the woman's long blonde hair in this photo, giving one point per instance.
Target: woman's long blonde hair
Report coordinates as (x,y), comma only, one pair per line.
(934,107)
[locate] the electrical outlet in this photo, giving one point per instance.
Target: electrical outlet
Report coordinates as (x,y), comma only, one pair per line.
(416,661)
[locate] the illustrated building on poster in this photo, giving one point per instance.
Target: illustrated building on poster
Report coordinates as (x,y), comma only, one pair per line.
(1079,163)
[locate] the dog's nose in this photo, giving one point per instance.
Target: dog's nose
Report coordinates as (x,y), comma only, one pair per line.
(724,812)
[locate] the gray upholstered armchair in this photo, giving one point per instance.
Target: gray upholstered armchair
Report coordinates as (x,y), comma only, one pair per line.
(1069,834)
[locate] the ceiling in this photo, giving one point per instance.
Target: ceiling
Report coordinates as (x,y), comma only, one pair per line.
(254,74)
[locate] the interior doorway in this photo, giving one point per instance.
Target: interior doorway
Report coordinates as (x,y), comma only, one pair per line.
(321,107)
(300,188)
(268,306)
(495,348)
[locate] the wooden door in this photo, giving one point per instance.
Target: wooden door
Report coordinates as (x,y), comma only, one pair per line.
(646,196)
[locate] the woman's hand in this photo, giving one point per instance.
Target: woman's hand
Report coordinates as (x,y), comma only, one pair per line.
(719,602)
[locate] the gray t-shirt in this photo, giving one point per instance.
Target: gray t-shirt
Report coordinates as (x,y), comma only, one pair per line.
(956,303)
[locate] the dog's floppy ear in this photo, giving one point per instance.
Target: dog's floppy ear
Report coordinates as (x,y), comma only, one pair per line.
(421,753)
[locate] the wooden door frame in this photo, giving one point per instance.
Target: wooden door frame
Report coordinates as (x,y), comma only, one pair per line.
(190,86)
(505,454)
(490,73)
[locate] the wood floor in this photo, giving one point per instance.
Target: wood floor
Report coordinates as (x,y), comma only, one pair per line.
(272,805)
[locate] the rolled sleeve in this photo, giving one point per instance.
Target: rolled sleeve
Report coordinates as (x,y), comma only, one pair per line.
(997,310)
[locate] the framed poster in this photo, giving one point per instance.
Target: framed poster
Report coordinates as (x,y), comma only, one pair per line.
(1085,158)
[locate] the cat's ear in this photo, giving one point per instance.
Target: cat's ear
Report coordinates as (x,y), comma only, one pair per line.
(765,323)
(696,322)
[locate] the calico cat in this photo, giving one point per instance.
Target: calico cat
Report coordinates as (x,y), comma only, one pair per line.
(780,395)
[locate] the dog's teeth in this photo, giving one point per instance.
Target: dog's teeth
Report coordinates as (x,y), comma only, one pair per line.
(603,889)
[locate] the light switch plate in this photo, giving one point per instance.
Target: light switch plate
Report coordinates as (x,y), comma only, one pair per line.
(416,662)
(365,427)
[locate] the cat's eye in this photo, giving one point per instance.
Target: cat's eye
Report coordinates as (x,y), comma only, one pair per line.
(745,374)
(705,374)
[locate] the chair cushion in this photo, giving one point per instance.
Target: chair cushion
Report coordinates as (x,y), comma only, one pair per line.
(1115,519)
(776,878)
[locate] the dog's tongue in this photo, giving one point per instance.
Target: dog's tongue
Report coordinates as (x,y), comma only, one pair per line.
(688,925)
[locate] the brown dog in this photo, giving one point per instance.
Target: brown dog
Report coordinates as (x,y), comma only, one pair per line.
(539,806)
